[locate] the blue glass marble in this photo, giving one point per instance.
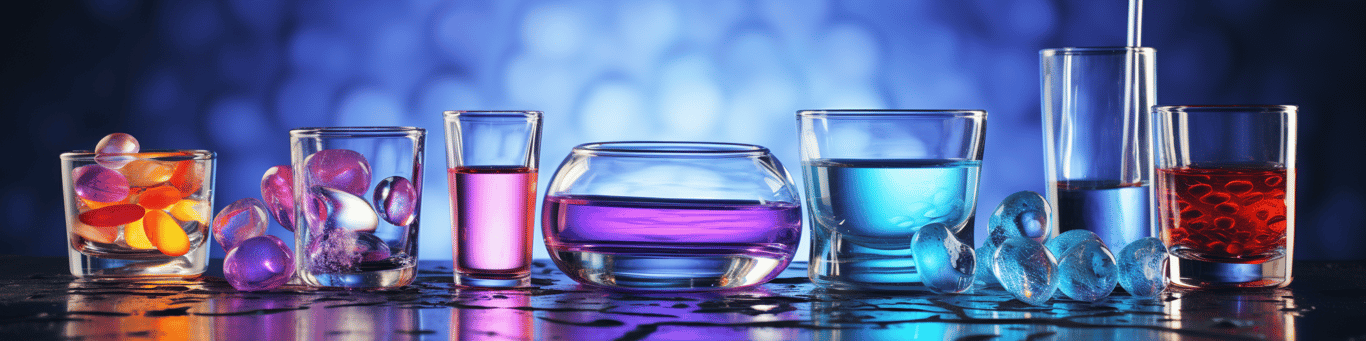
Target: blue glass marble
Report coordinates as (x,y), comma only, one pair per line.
(1064,242)
(1026,269)
(945,264)
(1023,214)
(1142,267)
(1087,271)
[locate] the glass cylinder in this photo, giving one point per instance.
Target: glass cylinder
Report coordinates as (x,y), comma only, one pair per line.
(673,216)
(1096,105)
(1226,193)
(492,159)
(147,214)
(359,195)
(874,178)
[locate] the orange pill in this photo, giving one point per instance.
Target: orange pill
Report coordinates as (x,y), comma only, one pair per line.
(98,234)
(189,210)
(159,197)
(112,215)
(165,233)
(187,177)
(135,235)
(143,172)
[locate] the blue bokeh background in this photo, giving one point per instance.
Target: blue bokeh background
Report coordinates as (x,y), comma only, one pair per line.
(233,76)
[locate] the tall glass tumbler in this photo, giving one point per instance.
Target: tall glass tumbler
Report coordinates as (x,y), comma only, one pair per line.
(147,216)
(1096,105)
(492,159)
(874,178)
(1226,193)
(359,195)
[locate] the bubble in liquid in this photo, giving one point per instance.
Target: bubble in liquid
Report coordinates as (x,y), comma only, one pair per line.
(96,183)
(243,219)
(112,151)
(1087,271)
(277,188)
(1026,269)
(259,263)
(341,169)
(945,264)
(396,200)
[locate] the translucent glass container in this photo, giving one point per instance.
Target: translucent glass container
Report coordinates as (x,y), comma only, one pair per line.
(671,216)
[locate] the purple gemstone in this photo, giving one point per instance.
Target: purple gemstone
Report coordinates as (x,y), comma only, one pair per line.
(260,263)
(243,219)
(96,183)
(334,209)
(395,200)
(342,169)
(113,149)
(277,187)
(371,248)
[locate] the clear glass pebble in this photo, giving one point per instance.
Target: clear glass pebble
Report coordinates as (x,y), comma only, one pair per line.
(1142,267)
(1026,269)
(945,264)
(243,219)
(1022,214)
(1087,271)
(396,200)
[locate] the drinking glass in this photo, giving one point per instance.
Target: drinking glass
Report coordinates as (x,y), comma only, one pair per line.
(359,195)
(492,159)
(1097,140)
(1226,193)
(671,216)
(147,217)
(874,178)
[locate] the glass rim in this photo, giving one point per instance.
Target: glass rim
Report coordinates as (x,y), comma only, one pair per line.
(529,114)
(173,154)
(895,113)
(1096,50)
(367,131)
(670,148)
(1247,109)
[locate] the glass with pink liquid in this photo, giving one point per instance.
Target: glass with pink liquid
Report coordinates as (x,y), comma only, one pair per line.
(491,160)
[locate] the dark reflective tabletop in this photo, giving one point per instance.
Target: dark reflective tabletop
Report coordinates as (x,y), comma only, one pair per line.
(40,300)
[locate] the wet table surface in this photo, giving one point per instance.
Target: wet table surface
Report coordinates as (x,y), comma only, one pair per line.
(40,300)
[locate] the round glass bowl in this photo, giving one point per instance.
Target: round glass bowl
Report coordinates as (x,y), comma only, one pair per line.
(671,216)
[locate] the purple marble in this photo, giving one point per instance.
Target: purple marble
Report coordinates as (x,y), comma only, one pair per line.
(260,263)
(341,169)
(97,183)
(396,200)
(371,248)
(112,150)
(243,219)
(277,187)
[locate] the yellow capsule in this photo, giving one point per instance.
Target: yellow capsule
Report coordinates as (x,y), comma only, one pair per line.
(166,233)
(189,210)
(136,236)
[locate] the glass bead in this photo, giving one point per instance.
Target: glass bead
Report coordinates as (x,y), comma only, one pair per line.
(277,188)
(112,150)
(243,219)
(341,169)
(396,200)
(96,183)
(259,263)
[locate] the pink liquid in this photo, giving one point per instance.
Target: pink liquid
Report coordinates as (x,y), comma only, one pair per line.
(492,213)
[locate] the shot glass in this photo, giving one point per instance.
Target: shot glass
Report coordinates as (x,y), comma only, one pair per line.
(874,178)
(359,195)
(492,159)
(1226,194)
(145,215)
(1096,104)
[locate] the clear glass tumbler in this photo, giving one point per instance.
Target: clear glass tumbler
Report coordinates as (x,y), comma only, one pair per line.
(1226,193)
(359,195)
(874,178)
(671,216)
(492,159)
(147,217)
(1097,140)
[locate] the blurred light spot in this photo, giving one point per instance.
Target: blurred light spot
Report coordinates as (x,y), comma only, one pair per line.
(795,17)
(19,215)
(613,110)
(369,107)
(238,123)
(158,93)
(756,106)
(110,10)
(395,55)
(466,34)
(190,24)
(690,100)
(303,101)
(849,52)
(448,93)
(325,52)
(553,31)
(647,27)
(754,53)
(539,83)
(262,16)
(246,65)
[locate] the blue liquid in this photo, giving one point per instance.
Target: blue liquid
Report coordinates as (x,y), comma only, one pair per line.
(1117,213)
(864,213)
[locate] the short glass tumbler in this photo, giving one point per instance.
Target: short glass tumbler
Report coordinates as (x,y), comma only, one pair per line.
(671,216)
(359,195)
(874,178)
(1226,194)
(149,217)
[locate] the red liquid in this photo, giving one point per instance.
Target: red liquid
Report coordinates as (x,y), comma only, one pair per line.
(492,210)
(1231,215)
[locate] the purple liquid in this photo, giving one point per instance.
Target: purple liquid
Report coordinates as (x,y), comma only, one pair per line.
(670,244)
(492,213)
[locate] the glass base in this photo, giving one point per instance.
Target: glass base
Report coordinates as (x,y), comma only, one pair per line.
(1199,274)
(191,264)
(473,280)
(377,279)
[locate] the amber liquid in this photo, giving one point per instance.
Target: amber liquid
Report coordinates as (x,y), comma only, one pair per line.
(1224,214)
